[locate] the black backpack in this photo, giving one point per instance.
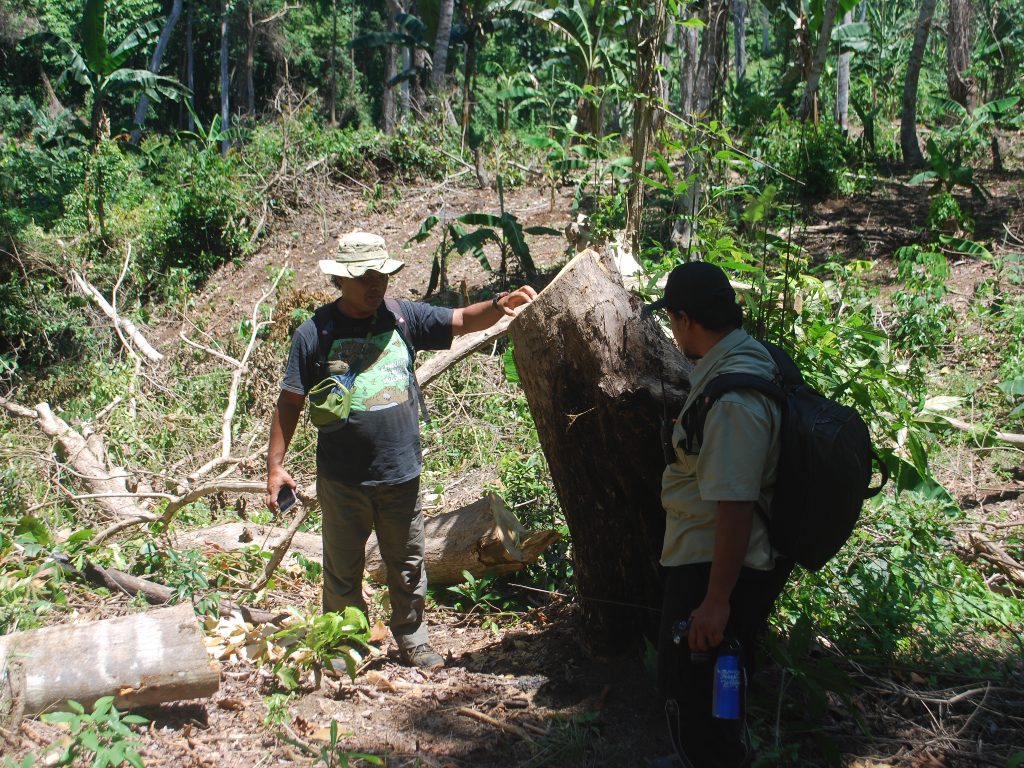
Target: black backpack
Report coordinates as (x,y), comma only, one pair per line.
(825,462)
(323,319)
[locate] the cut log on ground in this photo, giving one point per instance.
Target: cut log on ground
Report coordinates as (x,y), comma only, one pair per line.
(482,537)
(147,658)
(594,373)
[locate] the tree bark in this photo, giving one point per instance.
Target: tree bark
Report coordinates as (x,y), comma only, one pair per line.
(225,81)
(190,66)
(909,143)
(843,85)
(142,659)
(388,105)
(482,537)
(809,102)
(154,65)
(594,373)
(439,62)
(963,89)
(646,86)
(332,65)
(739,31)
(709,84)
(250,54)
(689,51)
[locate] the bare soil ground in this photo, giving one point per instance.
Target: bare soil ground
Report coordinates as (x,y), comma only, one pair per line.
(527,695)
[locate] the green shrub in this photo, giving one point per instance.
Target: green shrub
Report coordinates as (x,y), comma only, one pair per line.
(816,156)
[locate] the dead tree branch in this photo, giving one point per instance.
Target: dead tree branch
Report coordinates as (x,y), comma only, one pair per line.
(463,347)
(120,323)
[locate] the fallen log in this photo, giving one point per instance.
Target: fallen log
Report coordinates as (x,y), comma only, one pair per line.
(142,659)
(599,380)
(482,537)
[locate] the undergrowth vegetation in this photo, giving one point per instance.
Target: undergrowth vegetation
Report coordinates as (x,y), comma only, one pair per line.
(914,602)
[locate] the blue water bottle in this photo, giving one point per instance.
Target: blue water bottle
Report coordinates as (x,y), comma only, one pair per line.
(728,691)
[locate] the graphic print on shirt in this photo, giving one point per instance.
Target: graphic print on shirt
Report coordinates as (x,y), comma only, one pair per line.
(381,363)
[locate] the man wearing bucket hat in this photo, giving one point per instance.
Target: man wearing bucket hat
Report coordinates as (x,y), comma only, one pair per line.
(354,362)
(723,575)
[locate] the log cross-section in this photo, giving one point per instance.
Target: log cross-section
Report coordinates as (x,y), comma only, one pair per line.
(593,371)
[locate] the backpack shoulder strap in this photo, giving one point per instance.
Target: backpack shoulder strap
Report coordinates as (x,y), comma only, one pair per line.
(694,417)
(323,319)
(403,330)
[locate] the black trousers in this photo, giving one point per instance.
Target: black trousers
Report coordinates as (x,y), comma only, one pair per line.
(708,741)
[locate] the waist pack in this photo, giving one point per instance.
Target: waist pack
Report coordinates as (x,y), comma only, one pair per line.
(330,398)
(825,462)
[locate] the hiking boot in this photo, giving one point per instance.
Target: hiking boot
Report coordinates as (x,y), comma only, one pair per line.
(422,656)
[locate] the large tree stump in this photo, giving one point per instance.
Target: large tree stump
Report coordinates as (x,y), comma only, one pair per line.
(593,371)
(145,658)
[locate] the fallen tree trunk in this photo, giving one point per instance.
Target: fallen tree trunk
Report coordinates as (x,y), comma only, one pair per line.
(482,537)
(142,659)
(599,380)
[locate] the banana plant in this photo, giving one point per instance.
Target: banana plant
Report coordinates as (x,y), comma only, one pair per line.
(100,69)
(504,230)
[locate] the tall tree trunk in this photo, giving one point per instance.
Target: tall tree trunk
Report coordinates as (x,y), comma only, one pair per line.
(154,65)
(332,94)
(709,85)
(250,48)
(739,32)
(809,102)
(190,66)
(962,87)
(650,37)
(909,143)
(593,373)
(439,62)
(689,40)
(388,105)
(843,85)
(225,81)
(766,31)
(468,76)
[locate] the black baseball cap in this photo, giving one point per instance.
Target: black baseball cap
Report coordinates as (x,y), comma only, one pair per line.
(697,288)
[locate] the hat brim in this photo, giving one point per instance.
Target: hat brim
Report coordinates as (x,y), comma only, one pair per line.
(387,266)
(654,306)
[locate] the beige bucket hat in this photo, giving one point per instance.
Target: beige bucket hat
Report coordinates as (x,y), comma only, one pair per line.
(359,253)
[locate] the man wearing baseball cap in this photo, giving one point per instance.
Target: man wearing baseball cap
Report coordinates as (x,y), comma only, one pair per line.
(354,362)
(723,575)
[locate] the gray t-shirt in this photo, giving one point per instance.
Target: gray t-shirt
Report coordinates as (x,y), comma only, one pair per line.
(380,443)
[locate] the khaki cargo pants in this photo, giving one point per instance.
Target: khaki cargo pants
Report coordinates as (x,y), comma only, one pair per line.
(393,511)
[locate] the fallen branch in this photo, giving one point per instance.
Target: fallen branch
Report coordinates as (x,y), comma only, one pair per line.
(120,323)
(980,431)
(463,347)
(507,727)
(998,556)
(88,459)
(159,594)
(305,508)
(240,366)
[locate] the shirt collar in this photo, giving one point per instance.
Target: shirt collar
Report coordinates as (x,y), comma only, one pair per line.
(706,366)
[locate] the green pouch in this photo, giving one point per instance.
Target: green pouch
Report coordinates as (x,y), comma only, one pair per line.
(330,402)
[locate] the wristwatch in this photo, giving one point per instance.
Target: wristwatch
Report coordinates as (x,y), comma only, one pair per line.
(496,300)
